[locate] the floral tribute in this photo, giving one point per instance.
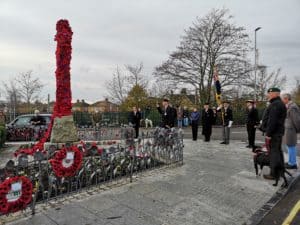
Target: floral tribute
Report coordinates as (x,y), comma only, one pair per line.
(63,104)
(15,194)
(66,161)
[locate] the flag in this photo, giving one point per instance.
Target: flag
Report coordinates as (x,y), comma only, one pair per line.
(217,86)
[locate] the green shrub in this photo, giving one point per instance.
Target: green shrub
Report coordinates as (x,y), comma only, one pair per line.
(2,135)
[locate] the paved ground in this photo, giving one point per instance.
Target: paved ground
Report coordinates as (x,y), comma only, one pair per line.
(216,185)
(287,204)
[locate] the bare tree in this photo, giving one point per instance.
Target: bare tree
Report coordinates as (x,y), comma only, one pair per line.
(210,41)
(12,96)
(135,76)
(296,91)
(29,87)
(117,87)
(124,80)
(160,88)
(264,81)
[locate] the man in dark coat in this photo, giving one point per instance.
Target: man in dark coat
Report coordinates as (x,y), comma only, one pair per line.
(291,126)
(275,116)
(168,114)
(252,122)
(135,119)
(227,120)
(207,122)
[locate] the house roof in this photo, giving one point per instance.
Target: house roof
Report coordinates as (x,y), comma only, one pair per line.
(80,104)
(103,103)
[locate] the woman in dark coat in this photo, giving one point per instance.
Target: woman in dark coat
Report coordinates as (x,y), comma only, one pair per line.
(207,122)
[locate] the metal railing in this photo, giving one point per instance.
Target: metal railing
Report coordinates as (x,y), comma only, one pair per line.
(103,162)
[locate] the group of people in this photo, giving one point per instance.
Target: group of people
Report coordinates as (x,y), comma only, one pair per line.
(281,119)
(280,123)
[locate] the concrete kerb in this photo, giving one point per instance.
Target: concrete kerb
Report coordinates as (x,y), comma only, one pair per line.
(257,217)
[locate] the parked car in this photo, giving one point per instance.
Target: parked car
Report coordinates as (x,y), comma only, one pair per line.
(21,129)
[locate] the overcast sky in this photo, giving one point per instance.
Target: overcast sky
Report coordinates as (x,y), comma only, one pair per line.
(117,32)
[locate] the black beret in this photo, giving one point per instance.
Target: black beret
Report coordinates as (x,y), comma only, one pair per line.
(273,89)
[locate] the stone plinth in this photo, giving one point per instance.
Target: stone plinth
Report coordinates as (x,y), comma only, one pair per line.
(63,130)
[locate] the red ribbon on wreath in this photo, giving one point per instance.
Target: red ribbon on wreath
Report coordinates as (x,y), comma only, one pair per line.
(66,162)
(15,194)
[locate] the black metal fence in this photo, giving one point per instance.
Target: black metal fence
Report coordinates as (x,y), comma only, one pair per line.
(117,119)
(102,162)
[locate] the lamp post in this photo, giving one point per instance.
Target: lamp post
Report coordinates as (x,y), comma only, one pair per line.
(255,61)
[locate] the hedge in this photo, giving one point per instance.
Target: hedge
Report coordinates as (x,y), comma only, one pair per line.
(2,135)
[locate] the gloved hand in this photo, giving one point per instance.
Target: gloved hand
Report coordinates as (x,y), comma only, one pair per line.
(268,143)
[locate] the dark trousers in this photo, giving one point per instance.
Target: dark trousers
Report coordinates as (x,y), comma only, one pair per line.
(136,131)
(207,132)
(251,134)
(276,156)
(195,129)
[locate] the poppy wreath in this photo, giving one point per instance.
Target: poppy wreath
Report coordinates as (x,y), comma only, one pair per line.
(22,201)
(64,167)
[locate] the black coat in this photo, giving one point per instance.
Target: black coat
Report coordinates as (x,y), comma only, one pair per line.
(226,116)
(207,121)
(168,116)
(252,117)
(275,117)
(135,118)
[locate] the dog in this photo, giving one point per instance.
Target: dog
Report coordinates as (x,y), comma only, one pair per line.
(148,122)
(261,158)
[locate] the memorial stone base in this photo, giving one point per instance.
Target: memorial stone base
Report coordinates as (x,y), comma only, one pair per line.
(64,130)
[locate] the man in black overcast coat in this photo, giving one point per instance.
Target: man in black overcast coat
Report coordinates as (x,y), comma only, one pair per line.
(251,123)
(275,117)
(135,120)
(168,114)
(207,117)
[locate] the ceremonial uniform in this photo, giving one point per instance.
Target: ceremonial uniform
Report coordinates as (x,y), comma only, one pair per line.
(251,122)
(207,122)
(135,118)
(168,116)
(227,120)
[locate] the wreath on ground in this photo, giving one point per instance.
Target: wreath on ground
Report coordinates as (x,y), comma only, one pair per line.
(67,161)
(15,194)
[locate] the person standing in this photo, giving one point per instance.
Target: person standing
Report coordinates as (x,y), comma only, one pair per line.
(275,116)
(227,120)
(207,117)
(135,119)
(291,123)
(195,117)
(179,116)
(167,114)
(252,122)
(185,116)
(214,109)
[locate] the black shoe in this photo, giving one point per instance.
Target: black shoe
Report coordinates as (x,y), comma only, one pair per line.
(249,146)
(290,167)
(223,143)
(269,177)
